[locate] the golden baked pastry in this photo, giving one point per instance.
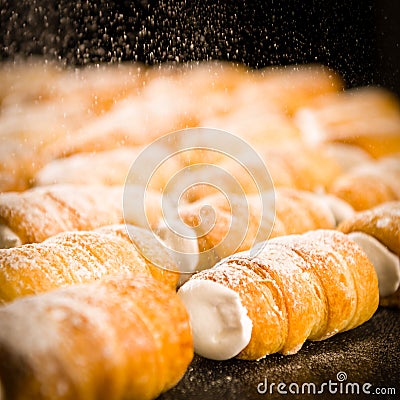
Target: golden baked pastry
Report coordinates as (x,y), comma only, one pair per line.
(36,214)
(125,337)
(39,213)
(297,287)
(293,87)
(381,222)
(45,104)
(78,257)
(292,164)
(370,184)
(108,167)
(378,231)
(226,226)
(368,117)
(103,168)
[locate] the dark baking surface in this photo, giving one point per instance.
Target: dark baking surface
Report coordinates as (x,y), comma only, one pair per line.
(367,354)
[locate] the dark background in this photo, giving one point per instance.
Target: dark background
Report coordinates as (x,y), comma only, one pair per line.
(360,39)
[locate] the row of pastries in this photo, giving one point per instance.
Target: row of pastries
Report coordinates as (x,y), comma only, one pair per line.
(99,299)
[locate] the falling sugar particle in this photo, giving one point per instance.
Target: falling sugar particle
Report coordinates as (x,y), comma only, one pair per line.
(156,31)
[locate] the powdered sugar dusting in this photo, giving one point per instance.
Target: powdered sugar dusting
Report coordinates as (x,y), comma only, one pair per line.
(316,277)
(67,258)
(39,213)
(383,222)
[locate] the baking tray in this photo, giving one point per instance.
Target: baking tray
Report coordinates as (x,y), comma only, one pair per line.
(369,354)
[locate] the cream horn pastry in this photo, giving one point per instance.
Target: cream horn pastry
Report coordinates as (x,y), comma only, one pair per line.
(162,264)
(109,167)
(27,131)
(288,88)
(292,164)
(347,156)
(370,184)
(96,89)
(260,108)
(256,124)
(103,168)
(23,135)
(26,83)
(368,117)
(53,105)
(309,167)
(36,214)
(294,288)
(82,256)
(226,226)
(126,337)
(299,211)
(136,120)
(39,213)
(217,88)
(377,231)
(291,87)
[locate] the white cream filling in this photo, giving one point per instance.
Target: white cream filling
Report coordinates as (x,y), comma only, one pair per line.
(184,248)
(8,238)
(386,263)
(220,325)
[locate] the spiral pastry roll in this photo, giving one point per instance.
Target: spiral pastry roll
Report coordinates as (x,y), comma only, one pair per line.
(370,184)
(82,256)
(377,231)
(105,168)
(294,288)
(225,226)
(126,337)
(368,117)
(39,213)
(292,164)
